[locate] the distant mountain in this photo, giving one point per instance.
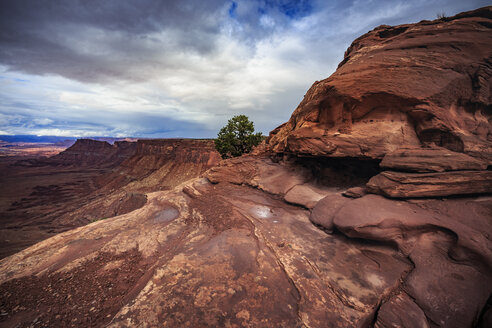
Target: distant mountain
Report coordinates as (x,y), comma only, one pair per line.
(33,138)
(51,139)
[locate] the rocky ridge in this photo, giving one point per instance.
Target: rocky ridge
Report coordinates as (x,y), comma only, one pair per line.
(289,236)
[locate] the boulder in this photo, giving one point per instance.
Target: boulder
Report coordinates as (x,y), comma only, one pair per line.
(324,211)
(354,192)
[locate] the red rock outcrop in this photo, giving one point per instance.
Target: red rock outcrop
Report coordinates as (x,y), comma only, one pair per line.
(417,96)
(430,159)
(159,164)
(408,85)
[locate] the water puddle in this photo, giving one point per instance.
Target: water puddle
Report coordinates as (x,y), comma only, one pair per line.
(263,212)
(166,215)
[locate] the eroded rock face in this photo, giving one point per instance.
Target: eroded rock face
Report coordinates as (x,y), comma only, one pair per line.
(229,252)
(430,159)
(88,152)
(410,185)
(408,85)
(157,164)
(163,163)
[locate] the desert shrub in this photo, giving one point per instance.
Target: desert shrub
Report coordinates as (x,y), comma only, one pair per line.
(237,137)
(441,15)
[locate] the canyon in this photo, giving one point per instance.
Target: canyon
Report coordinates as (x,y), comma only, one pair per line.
(90,180)
(370,207)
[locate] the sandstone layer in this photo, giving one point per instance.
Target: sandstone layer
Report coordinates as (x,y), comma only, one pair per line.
(411,185)
(409,85)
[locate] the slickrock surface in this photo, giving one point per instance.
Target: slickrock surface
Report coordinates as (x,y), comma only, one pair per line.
(424,83)
(231,255)
(271,239)
(226,253)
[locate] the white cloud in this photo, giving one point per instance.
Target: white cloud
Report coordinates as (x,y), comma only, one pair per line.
(43,121)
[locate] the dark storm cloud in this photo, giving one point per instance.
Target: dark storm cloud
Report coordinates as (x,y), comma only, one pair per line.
(91,40)
(104,41)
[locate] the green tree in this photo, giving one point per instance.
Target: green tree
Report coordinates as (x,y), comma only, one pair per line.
(237,137)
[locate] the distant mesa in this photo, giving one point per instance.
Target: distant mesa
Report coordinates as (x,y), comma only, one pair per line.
(88,152)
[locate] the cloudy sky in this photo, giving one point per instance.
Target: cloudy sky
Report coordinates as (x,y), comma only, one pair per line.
(176,68)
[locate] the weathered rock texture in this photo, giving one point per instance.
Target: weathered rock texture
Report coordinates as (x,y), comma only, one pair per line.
(226,253)
(409,85)
(270,240)
(407,185)
(430,160)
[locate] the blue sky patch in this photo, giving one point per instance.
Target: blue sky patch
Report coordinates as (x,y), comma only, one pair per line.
(294,9)
(232,9)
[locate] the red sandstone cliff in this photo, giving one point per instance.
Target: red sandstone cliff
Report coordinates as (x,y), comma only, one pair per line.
(418,96)
(159,164)
(408,85)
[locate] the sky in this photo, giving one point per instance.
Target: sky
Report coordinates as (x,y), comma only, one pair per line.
(176,68)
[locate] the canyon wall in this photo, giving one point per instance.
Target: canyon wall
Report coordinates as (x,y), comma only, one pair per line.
(89,181)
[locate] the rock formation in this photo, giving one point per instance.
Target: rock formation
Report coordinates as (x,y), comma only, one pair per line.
(92,180)
(88,152)
(409,85)
(288,236)
(422,86)
(158,164)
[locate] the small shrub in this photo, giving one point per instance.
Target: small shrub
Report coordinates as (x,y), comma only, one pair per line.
(237,137)
(441,15)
